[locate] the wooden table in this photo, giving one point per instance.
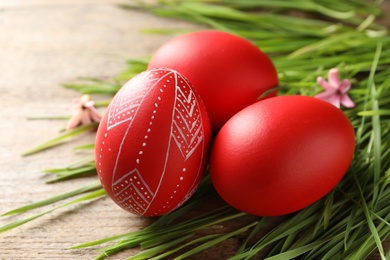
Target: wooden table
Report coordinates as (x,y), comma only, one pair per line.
(45,43)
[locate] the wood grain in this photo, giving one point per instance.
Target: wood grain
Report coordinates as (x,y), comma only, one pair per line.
(43,44)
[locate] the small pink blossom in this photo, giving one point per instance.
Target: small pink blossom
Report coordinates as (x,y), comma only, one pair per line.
(85,112)
(335,90)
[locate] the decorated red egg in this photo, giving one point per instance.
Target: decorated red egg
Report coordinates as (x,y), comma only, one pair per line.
(228,71)
(152,143)
(281,154)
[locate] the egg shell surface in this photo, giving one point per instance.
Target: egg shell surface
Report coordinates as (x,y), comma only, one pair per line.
(152,143)
(228,71)
(281,154)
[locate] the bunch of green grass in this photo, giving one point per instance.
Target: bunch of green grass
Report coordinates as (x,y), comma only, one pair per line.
(304,39)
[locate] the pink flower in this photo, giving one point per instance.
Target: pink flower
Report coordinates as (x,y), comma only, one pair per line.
(85,112)
(335,90)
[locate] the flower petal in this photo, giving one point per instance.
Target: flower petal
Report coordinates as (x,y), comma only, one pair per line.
(89,104)
(323,83)
(85,118)
(85,112)
(74,121)
(335,90)
(333,99)
(344,86)
(94,114)
(333,77)
(346,101)
(326,94)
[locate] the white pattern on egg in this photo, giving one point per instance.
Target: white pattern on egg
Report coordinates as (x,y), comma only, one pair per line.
(186,133)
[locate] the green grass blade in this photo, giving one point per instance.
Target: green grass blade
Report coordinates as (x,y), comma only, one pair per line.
(176,249)
(148,253)
(22,221)
(254,231)
(67,174)
(215,241)
(377,112)
(85,147)
(89,187)
(61,138)
(376,127)
(103,240)
(349,226)
(291,254)
(96,88)
(370,222)
(92,195)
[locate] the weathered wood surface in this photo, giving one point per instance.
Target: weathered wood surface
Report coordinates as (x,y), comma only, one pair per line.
(44,43)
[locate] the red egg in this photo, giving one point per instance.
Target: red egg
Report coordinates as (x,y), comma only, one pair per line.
(228,71)
(281,154)
(152,143)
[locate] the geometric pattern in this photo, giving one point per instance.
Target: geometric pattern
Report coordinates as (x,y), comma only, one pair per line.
(125,109)
(187,123)
(132,192)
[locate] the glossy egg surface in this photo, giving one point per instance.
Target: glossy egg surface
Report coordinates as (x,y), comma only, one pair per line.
(152,143)
(228,71)
(281,154)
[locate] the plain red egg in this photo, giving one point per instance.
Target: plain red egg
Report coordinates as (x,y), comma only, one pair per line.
(152,143)
(228,71)
(281,154)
